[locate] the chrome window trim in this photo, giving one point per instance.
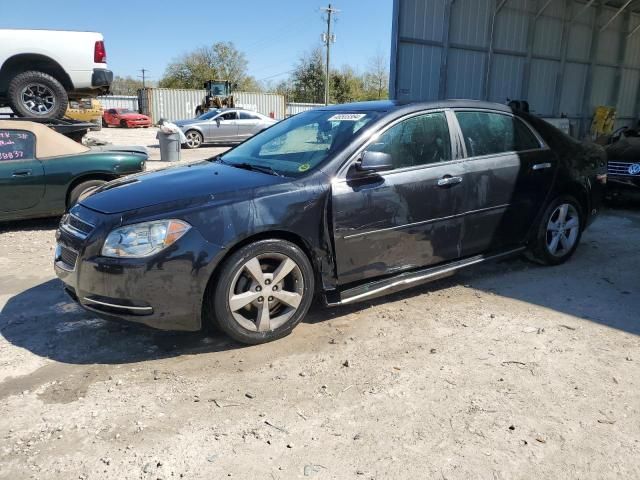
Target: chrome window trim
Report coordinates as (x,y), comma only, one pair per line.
(341,175)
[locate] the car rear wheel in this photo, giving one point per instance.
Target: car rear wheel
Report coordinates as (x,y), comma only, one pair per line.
(81,189)
(558,234)
(194,139)
(263,291)
(36,94)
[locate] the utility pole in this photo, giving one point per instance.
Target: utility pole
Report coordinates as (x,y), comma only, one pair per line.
(144,71)
(328,40)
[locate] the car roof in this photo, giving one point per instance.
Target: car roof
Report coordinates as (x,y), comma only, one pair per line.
(49,143)
(393,105)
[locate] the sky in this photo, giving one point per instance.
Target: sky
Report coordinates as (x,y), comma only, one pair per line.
(272,34)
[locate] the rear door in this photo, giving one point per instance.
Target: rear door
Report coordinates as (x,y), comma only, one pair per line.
(21,174)
(248,124)
(509,171)
(407,217)
(224,127)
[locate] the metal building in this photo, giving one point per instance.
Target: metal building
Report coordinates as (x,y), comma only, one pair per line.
(565,57)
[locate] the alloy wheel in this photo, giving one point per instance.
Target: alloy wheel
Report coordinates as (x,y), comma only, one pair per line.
(563,229)
(265,292)
(193,139)
(38,98)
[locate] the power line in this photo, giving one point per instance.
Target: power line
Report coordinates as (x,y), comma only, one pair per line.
(328,40)
(276,75)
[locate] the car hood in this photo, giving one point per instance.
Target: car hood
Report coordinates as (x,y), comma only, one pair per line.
(184,123)
(175,187)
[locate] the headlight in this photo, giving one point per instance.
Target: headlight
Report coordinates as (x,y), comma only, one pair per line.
(143,239)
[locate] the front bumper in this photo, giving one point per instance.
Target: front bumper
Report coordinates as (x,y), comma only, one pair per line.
(138,123)
(164,291)
(101,77)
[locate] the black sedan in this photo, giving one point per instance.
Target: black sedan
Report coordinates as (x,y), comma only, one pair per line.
(347,202)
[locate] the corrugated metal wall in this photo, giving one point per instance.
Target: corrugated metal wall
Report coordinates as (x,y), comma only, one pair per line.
(551,53)
(118,101)
(176,104)
(293,108)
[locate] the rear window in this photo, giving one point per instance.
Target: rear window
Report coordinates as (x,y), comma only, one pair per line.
(488,133)
(16,145)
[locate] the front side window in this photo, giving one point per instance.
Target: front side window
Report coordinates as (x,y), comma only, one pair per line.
(419,140)
(488,133)
(17,145)
(300,143)
(228,116)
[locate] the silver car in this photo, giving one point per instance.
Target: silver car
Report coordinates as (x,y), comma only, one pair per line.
(228,125)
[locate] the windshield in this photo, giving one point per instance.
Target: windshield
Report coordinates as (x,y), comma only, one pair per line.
(208,115)
(301,143)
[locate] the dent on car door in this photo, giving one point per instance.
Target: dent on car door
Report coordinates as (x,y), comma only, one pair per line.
(21,174)
(406,217)
(509,172)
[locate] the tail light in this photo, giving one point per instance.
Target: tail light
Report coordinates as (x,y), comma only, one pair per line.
(99,53)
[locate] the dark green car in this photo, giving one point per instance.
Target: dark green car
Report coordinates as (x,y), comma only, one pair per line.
(43,173)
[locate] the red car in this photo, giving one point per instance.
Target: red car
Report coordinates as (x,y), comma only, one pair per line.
(124,118)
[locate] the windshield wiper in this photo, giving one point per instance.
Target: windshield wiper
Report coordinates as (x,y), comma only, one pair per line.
(255,168)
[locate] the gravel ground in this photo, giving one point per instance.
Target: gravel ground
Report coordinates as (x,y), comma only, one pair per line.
(147,138)
(504,371)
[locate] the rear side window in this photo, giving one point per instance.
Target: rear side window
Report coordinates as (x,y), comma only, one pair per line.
(16,145)
(248,116)
(491,133)
(419,140)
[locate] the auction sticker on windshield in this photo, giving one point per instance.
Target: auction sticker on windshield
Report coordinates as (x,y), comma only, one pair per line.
(351,117)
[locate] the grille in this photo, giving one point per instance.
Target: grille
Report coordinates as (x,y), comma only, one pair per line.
(68,257)
(76,227)
(621,169)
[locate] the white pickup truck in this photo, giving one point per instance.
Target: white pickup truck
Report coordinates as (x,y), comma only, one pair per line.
(40,70)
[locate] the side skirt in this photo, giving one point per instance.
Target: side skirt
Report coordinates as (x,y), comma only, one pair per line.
(411,279)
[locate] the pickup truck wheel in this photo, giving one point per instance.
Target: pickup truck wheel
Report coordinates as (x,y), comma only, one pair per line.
(262,292)
(194,139)
(558,233)
(36,94)
(82,188)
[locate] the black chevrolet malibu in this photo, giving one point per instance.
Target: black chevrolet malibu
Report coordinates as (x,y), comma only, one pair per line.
(345,202)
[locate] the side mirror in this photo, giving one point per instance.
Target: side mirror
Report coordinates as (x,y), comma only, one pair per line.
(218,120)
(375,162)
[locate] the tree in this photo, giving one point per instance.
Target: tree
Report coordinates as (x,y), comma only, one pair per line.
(220,61)
(308,78)
(125,85)
(376,78)
(346,85)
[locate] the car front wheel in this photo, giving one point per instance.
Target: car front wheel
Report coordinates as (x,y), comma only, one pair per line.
(558,233)
(194,139)
(82,189)
(263,291)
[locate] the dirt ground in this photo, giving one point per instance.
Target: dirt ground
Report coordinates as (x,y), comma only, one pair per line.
(505,371)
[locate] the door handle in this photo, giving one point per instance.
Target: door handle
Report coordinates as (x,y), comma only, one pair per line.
(541,166)
(447,181)
(22,173)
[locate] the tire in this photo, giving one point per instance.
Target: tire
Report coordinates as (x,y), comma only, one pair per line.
(254,318)
(104,123)
(554,244)
(36,94)
(123,124)
(194,139)
(81,188)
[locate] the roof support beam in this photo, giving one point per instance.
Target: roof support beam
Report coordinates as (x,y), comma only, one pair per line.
(487,67)
(543,8)
(531,36)
(622,53)
(584,9)
(564,45)
(615,15)
(444,55)
(587,108)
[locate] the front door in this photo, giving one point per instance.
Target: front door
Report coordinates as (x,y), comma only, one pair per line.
(407,217)
(223,128)
(21,174)
(509,173)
